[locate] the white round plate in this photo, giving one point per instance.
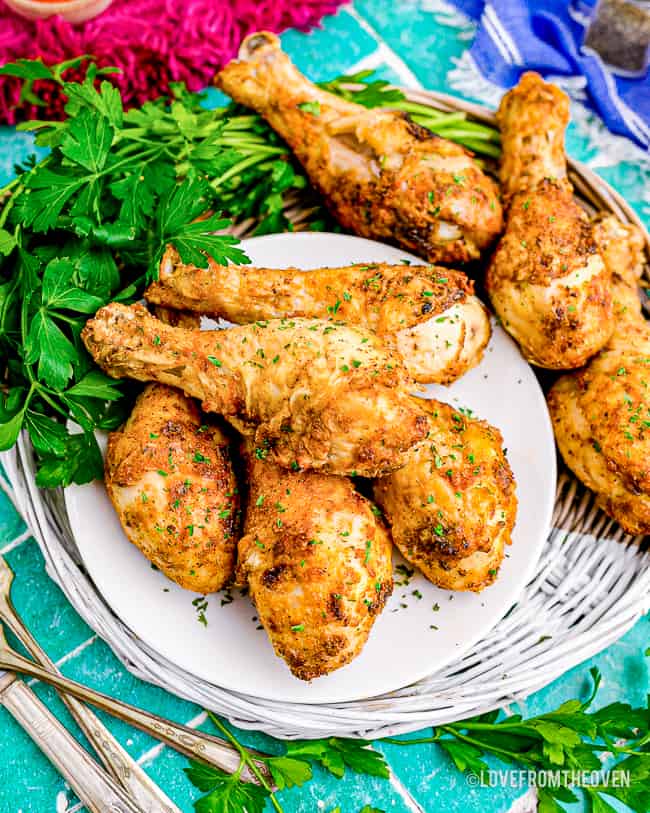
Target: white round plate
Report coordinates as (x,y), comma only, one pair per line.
(423,628)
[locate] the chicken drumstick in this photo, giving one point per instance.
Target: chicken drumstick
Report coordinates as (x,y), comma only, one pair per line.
(171,482)
(547,280)
(313,394)
(317,562)
(601,414)
(452,507)
(381,175)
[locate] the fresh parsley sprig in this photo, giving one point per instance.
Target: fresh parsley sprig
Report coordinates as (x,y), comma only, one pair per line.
(567,741)
(86,225)
(571,738)
(228,793)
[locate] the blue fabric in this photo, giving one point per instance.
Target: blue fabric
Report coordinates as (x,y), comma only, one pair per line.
(546,36)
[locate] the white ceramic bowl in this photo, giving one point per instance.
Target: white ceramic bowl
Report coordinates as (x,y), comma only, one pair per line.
(74,11)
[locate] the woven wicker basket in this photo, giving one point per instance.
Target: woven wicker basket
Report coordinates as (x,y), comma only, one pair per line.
(592,584)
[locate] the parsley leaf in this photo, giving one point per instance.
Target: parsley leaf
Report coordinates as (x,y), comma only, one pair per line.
(194,240)
(47,436)
(55,353)
(10,429)
(84,97)
(88,141)
(336,754)
(59,289)
(96,385)
(7,242)
(49,193)
(372,93)
(288,772)
(81,462)
(225,792)
(26,69)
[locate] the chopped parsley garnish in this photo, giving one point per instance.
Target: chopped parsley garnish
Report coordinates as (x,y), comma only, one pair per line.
(310,107)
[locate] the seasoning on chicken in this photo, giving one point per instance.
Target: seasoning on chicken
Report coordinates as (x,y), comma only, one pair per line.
(547,280)
(427,312)
(317,562)
(453,506)
(171,481)
(601,414)
(621,246)
(382,175)
(312,394)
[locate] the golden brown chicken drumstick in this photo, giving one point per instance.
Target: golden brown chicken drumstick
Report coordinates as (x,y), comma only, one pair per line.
(171,481)
(313,394)
(381,175)
(317,562)
(452,507)
(601,414)
(428,312)
(547,281)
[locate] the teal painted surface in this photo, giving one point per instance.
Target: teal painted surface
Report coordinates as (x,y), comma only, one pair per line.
(414,38)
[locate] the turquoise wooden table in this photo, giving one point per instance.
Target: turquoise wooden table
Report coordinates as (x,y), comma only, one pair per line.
(419,43)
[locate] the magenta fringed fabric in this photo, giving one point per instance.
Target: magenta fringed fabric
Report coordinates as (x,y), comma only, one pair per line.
(154,42)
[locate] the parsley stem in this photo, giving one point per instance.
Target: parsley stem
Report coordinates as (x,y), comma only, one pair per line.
(517,756)
(110,170)
(615,749)
(437,738)
(241,144)
(415,107)
(64,318)
(237,168)
(501,726)
(246,758)
(240,122)
(10,203)
(477,146)
(42,391)
(417,741)
(445,122)
(5,304)
(9,186)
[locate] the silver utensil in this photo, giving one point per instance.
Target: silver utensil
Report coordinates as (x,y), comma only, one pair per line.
(98,791)
(194,744)
(124,769)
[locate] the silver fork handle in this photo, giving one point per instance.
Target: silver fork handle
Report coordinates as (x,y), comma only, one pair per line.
(196,745)
(149,797)
(95,788)
(145,792)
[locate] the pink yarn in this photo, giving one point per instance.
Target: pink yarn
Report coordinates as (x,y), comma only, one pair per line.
(152,41)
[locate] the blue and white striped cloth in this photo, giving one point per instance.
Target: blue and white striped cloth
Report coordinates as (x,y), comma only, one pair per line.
(546,36)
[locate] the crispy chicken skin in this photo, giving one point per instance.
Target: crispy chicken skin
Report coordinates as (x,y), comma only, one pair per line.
(317,563)
(382,175)
(428,312)
(601,414)
(170,478)
(452,508)
(547,280)
(621,247)
(312,394)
